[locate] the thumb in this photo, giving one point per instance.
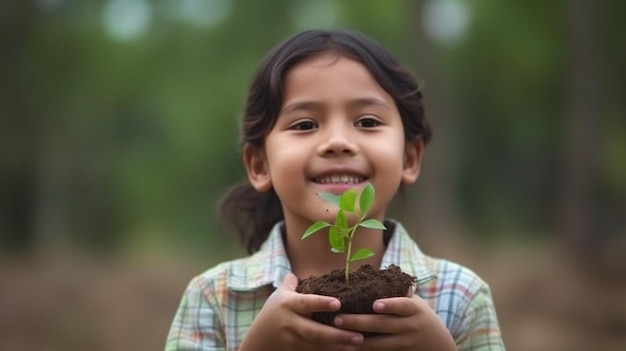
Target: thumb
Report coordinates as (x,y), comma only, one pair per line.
(290,282)
(410,292)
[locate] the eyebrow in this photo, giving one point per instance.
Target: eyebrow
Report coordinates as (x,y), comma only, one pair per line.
(356,103)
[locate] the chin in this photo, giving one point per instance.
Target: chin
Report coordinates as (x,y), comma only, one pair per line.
(338,188)
(330,213)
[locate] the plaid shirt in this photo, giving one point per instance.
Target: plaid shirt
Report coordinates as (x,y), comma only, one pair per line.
(219,305)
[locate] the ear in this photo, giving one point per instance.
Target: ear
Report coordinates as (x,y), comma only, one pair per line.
(414,150)
(256,167)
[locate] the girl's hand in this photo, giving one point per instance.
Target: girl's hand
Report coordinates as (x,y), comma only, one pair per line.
(406,323)
(284,323)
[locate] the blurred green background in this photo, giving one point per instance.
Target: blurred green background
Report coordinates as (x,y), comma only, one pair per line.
(118,123)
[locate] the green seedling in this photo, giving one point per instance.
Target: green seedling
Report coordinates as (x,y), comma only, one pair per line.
(340,235)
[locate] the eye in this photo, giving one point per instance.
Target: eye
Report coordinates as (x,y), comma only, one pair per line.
(367,122)
(303,125)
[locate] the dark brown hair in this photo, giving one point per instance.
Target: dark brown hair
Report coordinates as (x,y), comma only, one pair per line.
(253,214)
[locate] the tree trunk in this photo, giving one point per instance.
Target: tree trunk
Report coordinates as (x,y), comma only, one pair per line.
(578,225)
(18,130)
(434,192)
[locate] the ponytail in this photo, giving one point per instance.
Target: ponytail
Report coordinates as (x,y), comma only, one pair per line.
(252,214)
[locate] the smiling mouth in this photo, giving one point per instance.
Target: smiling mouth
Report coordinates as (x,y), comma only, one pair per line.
(339,179)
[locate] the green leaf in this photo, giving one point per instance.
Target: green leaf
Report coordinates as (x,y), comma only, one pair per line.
(373,224)
(366,199)
(315,227)
(332,198)
(347,200)
(340,221)
(335,239)
(361,254)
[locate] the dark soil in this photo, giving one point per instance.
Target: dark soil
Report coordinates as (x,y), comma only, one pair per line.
(366,285)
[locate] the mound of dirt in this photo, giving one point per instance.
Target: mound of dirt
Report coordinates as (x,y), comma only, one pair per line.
(357,296)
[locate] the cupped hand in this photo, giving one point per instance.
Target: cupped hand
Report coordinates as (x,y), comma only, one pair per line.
(284,323)
(401,323)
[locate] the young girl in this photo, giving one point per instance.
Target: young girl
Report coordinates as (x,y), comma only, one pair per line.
(328,111)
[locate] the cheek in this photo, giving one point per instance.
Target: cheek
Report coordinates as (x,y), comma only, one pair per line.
(284,161)
(391,154)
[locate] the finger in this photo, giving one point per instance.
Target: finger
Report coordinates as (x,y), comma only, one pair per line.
(399,306)
(373,323)
(305,304)
(380,342)
(323,334)
(290,282)
(308,303)
(288,285)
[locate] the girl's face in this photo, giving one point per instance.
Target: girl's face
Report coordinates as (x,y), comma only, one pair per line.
(337,129)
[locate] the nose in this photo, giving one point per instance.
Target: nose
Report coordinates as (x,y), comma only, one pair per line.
(338,140)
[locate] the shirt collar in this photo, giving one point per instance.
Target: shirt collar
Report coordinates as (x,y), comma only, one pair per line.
(267,266)
(404,252)
(270,264)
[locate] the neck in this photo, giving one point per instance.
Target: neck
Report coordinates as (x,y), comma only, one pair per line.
(312,256)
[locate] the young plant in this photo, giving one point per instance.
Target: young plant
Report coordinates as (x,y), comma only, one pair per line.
(340,235)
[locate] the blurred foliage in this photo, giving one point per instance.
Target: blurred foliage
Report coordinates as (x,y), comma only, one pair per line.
(119,118)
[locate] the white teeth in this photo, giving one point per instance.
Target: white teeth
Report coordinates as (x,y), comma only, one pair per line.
(340,179)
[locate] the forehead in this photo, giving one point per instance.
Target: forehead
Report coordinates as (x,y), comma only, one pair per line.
(331,77)
(323,63)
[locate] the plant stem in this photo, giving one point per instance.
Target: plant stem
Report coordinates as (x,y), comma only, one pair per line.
(349,252)
(348,259)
